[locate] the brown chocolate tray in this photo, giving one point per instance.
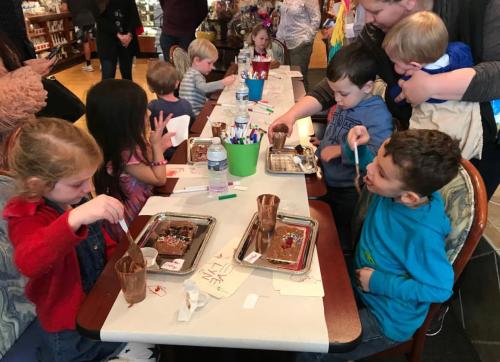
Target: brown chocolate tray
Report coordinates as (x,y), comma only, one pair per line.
(190,259)
(254,241)
(196,141)
(281,161)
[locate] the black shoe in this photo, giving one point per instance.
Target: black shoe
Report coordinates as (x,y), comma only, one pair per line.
(438,321)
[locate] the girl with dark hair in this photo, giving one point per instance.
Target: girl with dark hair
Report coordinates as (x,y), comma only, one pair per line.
(117,27)
(117,118)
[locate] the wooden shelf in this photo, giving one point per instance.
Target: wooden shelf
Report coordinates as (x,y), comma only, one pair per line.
(47,17)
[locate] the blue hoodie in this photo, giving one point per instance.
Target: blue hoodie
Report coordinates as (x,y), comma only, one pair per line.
(371,113)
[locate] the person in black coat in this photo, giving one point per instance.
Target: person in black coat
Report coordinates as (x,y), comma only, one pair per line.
(117,25)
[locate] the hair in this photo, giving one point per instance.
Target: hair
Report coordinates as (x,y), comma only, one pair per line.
(50,149)
(203,49)
(116,111)
(9,54)
(162,77)
(353,62)
(428,159)
(421,37)
(256,30)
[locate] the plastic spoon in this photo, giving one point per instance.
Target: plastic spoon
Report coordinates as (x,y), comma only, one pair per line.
(298,161)
(133,250)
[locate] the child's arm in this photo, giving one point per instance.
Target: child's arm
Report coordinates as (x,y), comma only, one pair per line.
(330,152)
(156,172)
(201,83)
(357,135)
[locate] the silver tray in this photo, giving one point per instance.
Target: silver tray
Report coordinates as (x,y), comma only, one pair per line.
(193,254)
(195,141)
(252,238)
(281,161)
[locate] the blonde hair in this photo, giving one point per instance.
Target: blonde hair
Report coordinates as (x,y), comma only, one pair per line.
(421,37)
(50,149)
(256,30)
(162,77)
(203,49)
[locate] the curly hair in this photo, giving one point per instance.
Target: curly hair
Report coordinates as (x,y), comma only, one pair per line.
(428,159)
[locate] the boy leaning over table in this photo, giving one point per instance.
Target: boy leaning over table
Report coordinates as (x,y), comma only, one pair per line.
(400,262)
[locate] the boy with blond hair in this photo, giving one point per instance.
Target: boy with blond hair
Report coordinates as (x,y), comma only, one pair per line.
(194,87)
(420,42)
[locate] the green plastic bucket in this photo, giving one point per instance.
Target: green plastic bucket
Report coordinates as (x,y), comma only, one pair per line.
(242,159)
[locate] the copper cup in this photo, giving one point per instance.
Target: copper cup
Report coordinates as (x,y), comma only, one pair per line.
(280,133)
(218,128)
(267,209)
(132,279)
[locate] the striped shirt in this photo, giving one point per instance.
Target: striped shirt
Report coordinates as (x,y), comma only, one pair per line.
(194,88)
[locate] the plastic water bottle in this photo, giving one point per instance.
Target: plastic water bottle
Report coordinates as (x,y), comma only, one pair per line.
(243,64)
(217,168)
(241,123)
(242,96)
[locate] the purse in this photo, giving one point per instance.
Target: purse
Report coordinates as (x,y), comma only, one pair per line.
(61,102)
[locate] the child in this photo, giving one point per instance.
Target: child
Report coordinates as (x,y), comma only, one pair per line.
(401,266)
(260,44)
(351,75)
(162,80)
(61,249)
(420,42)
(194,87)
(117,118)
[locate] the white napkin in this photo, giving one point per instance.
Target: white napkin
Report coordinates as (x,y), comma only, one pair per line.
(179,125)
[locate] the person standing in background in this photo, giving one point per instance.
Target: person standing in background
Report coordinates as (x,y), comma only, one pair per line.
(297,28)
(117,25)
(83,12)
(180,20)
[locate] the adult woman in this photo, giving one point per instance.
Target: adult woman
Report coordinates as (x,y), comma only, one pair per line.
(480,83)
(297,28)
(117,26)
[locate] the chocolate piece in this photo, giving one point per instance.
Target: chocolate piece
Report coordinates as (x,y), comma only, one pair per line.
(286,244)
(199,152)
(175,237)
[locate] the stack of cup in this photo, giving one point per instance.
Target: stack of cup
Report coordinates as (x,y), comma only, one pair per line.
(280,133)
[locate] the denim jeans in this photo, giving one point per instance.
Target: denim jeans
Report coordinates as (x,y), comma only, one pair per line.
(71,346)
(372,342)
(166,42)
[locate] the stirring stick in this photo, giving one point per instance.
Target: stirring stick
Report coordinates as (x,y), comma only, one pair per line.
(356,163)
(133,250)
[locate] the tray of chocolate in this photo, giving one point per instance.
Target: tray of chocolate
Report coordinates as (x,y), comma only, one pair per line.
(291,160)
(179,238)
(197,149)
(288,249)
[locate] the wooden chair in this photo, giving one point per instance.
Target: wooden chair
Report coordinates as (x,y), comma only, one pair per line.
(280,51)
(180,60)
(461,206)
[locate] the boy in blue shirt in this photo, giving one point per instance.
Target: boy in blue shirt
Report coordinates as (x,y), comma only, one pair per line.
(351,75)
(401,266)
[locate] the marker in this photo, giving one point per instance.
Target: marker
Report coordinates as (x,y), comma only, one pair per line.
(258,111)
(200,188)
(228,196)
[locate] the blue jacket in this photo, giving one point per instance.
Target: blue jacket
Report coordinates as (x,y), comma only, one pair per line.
(406,247)
(460,57)
(374,115)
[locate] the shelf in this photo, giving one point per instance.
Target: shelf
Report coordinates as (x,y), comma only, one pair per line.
(36,35)
(47,17)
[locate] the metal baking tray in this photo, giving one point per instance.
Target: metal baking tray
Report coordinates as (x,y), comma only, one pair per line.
(192,141)
(281,161)
(193,254)
(254,241)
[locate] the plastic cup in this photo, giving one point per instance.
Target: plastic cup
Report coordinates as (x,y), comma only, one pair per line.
(218,128)
(150,255)
(280,133)
(267,207)
(242,159)
(261,68)
(255,89)
(132,279)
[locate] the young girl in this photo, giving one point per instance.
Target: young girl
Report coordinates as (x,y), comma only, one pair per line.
(117,118)
(260,44)
(61,249)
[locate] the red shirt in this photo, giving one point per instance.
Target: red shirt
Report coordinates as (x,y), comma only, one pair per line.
(44,251)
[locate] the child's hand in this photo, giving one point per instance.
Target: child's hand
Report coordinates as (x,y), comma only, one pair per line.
(358,135)
(156,137)
(363,276)
(330,152)
(166,140)
(229,80)
(103,207)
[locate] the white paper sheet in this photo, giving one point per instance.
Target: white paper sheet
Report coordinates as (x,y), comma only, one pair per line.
(179,125)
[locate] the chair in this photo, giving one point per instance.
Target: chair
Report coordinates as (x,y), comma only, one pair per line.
(179,58)
(280,51)
(467,206)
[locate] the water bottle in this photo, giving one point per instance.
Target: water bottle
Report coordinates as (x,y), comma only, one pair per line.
(243,64)
(242,96)
(217,168)
(241,123)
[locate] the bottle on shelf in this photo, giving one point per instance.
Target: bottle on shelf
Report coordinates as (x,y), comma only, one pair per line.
(217,168)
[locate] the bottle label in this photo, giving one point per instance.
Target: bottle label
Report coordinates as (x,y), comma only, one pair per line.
(217,165)
(241,96)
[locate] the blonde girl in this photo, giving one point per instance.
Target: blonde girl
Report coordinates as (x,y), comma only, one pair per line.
(260,44)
